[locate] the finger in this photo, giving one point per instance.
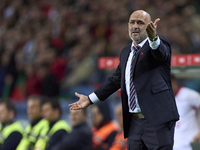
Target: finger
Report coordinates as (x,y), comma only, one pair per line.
(77,94)
(156,22)
(150,27)
(72,104)
(74,108)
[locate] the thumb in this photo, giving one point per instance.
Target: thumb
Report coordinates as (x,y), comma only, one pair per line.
(77,94)
(156,22)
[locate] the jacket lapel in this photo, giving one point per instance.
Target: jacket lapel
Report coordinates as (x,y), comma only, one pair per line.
(143,48)
(125,57)
(124,62)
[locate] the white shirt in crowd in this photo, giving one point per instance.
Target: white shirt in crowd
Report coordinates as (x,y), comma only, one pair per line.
(188,102)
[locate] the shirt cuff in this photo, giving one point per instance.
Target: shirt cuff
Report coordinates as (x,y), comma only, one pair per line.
(155,44)
(93,97)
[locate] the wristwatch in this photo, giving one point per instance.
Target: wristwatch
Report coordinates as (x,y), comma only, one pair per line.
(155,38)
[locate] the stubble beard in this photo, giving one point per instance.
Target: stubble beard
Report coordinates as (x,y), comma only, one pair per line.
(138,39)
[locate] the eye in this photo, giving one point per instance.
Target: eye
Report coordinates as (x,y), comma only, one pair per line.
(140,22)
(132,22)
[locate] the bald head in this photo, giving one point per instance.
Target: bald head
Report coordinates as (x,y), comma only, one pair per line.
(141,14)
(138,22)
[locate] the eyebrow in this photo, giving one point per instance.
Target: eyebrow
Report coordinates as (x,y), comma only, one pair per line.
(136,21)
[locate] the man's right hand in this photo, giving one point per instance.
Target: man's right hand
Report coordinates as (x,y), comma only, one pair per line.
(83,102)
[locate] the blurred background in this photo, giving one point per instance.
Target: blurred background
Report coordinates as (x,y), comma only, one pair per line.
(51,47)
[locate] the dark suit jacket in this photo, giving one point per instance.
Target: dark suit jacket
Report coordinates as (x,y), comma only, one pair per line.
(152,80)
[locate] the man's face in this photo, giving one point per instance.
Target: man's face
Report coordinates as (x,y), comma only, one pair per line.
(33,109)
(48,112)
(97,117)
(77,117)
(137,26)
(4,114)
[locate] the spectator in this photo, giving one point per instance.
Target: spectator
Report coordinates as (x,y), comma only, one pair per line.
(37,124)
(104,130)
(187,128)
(49,85)
(10,130)
(81,137)
(32,81)
(119,143)
(32,28)
(56,129)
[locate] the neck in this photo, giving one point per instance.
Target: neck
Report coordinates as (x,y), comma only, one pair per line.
(138,42)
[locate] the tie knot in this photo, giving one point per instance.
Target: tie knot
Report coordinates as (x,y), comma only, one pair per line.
(136,48)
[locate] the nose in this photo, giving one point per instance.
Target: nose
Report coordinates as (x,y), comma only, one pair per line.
(134,26)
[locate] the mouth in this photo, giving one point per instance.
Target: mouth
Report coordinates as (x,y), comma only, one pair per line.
(134,33)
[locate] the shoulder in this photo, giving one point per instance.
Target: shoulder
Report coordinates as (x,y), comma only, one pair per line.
(15,126)
(125,50)
(164,38)
(188,91)
(15,135)
(86,130)
(60,132)
(187,94)
(83,129)
(61,125)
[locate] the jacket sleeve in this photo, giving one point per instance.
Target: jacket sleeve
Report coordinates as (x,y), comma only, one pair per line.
(111,85)
(163,52)
(12,141)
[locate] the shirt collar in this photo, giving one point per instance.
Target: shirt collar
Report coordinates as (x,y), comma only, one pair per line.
(141,44)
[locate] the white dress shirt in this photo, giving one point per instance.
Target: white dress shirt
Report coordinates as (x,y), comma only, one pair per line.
(154,45)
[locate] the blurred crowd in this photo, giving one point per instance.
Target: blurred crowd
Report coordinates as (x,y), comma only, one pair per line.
(47,131)
(51,47)
(94,128)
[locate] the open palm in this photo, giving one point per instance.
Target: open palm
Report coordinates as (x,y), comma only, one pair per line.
(83,102)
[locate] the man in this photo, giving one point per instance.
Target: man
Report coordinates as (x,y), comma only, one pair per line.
(80,137)
(10,129)
(187,128)
(56,129)
(37,124)
(119,143)
(104,129)
(149,109)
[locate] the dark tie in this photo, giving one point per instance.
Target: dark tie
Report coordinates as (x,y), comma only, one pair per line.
(132,88)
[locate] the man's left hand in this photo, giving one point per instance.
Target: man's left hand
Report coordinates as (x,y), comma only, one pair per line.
(151,29)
